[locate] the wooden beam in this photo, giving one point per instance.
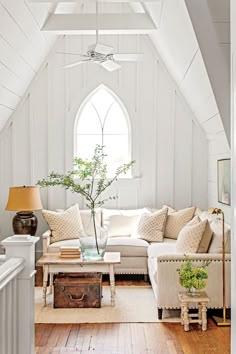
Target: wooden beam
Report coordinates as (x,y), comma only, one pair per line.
(107,24)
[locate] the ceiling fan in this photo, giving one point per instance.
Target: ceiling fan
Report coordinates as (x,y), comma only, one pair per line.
(102,54)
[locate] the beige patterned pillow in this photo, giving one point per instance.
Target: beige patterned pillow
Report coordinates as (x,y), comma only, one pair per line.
(206,237)
(151,226)
(190,237)
(176,221)
(64,225)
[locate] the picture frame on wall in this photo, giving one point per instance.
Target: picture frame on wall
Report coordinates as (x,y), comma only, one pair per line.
(223,181)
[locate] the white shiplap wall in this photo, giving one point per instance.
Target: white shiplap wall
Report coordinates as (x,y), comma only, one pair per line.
(218,149)
(167,143)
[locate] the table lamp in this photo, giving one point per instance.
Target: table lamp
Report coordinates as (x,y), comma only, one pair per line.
(218,320)
(24,200)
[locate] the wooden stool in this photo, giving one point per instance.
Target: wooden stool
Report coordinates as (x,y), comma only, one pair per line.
(201,317)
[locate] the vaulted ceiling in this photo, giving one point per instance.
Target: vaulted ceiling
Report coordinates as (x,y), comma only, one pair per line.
(192,38)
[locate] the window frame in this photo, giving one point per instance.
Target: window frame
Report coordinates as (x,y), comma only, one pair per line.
(126,115)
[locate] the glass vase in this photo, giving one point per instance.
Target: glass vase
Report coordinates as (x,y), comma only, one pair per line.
(194,292)
(93,243)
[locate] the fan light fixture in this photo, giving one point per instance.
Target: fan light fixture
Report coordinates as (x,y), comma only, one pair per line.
(102,54)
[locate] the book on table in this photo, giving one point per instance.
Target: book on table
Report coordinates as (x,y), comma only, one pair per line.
(70,252)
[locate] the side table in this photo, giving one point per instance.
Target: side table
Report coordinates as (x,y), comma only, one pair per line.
(201,317)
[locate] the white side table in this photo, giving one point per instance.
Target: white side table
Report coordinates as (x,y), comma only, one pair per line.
(201,317)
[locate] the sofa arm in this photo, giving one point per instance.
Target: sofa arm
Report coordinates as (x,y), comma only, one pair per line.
(46,241)
(167,284)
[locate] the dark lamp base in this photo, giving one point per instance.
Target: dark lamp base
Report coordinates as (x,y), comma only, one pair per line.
(25,223)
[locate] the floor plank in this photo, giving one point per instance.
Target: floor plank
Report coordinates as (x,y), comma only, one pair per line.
(131,338)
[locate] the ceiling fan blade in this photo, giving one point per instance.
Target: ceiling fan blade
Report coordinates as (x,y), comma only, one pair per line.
(110,65)
(101,49)
(128,57)
(77,54)
(75,63)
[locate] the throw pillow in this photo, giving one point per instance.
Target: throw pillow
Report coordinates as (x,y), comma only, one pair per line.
(64,225)
(170,208)
(216,243)
(206,239)
(121,222)
(176,221)
(190,237)
(151,226)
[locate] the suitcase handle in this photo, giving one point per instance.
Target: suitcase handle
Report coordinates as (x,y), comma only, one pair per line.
(72,298)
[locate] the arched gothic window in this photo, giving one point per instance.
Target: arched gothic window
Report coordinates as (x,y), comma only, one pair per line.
(103,120)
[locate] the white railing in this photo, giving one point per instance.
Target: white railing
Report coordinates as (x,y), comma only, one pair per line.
(17,295)
(8,304)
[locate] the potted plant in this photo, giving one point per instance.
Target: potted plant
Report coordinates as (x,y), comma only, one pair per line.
(193,278)
(89,178)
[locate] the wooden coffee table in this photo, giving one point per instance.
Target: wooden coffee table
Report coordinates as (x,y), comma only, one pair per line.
(53,263)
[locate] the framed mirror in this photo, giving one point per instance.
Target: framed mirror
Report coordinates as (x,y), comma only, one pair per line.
(223,181)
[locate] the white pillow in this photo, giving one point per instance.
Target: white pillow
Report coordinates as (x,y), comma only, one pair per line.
(86,220)
(121,222)
(190,237)
(64,225)
(216,242)
(151,226)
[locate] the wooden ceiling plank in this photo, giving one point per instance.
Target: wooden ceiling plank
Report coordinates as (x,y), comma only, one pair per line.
(108,24)
(8,98)
(14,36)
(12,81)
(10,58)
(23,18)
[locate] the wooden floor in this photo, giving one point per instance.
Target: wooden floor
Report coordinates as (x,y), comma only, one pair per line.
(131,338)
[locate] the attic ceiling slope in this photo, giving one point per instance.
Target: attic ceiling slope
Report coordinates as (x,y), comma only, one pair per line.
(217,66)
(178,46)
(23,48)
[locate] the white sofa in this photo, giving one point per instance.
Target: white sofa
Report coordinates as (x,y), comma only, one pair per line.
(157,259)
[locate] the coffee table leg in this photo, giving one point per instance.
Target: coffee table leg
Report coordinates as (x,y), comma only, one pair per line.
(112,284)
(50,282)
(45,280)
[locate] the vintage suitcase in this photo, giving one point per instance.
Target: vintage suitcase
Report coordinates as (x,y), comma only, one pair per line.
(77,290)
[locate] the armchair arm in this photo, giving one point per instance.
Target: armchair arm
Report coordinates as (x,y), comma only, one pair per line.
(166,278)
(46,240)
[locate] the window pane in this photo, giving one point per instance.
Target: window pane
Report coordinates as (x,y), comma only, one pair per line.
(116,147)
(102,100)
(114,135)
(115,122)
(86,144)
(89,121)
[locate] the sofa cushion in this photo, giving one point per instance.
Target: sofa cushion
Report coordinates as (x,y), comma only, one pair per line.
(176,221)
(55,247)
(64,225)
(121,222)
(127,246)
(190,237)
(151,226)
(168,246)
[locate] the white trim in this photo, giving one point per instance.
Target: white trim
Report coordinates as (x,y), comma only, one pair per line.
(123,108)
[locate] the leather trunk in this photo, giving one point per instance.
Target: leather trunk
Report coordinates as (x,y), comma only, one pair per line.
(80,290)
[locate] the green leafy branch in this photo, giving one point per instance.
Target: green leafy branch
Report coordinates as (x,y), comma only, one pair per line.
(89,178)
